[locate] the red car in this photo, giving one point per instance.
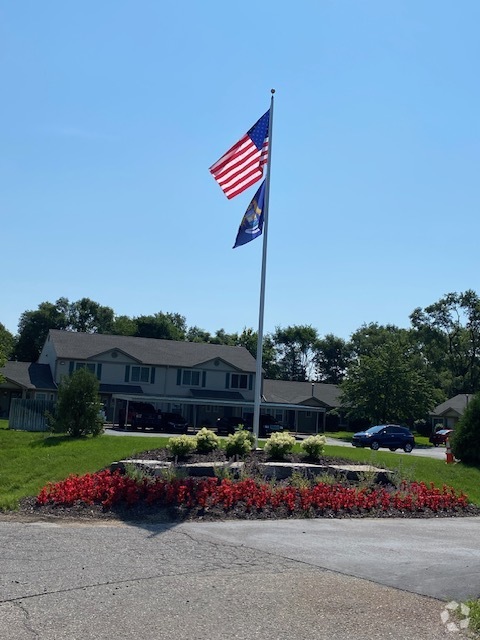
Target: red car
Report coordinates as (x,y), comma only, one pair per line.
(440,436)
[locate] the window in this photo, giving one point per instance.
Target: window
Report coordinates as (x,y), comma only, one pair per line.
(93,367)
(191,378)
(239,381)
(211,408)
(90,366)
(140,374)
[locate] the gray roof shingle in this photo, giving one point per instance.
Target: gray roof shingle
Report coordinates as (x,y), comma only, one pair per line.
(149,351)
(285,391)
(29,375)
(458,403)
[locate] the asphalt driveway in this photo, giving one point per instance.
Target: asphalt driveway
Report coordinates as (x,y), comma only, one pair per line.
(302,580)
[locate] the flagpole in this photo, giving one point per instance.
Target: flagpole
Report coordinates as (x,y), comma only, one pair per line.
(258,369)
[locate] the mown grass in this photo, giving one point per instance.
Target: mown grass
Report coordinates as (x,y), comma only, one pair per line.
(29,460)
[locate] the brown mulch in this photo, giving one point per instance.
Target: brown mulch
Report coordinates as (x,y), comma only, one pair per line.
(29,511)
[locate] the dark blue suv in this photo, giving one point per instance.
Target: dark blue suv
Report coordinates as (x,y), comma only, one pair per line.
(391,436)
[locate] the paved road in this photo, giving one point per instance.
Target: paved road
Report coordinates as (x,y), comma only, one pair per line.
(428,452)
(302,580)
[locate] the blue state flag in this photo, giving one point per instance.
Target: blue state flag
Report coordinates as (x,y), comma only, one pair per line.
(252,222)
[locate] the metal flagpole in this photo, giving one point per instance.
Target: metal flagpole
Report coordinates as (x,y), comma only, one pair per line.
(258,370)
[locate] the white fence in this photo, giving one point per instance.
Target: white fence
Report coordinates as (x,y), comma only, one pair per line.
(29,415)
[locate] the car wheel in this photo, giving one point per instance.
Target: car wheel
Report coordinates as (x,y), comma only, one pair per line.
(436,444)
(408,447)
(393,448)
(375,445)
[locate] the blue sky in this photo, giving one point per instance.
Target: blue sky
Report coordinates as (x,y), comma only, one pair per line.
(113,111)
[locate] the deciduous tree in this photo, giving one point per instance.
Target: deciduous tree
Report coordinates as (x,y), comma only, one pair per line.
(332,357)
(34,326)
(295,348)
(449,334)
(165,326)
(389,384)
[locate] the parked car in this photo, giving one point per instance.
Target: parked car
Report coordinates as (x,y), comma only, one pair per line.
(228,424)
(391,436)
(135,411)
(267,425)
(147,417)
(440,436)
(173,422)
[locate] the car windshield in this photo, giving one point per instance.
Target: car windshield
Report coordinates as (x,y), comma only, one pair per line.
(375,429)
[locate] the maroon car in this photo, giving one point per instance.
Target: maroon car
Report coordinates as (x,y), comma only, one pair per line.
(440,436)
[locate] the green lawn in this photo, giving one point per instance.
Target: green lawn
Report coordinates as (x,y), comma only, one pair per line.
(29,460)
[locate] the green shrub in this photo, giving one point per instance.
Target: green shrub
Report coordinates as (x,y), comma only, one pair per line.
(279,444)
(239,443)
(313,446)
(77,411)
(207,441)
(466,437)
(181,446)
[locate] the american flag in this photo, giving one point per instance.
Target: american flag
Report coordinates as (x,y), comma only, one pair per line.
(243,164)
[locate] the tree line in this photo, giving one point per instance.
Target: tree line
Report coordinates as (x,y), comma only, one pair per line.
(386,373)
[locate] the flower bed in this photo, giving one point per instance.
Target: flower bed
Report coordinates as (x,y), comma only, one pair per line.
(248,498)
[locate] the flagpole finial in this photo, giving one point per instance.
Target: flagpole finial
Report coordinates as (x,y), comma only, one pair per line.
(272,91)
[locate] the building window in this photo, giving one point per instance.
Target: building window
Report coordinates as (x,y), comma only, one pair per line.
(239,381)
(89,366)
(93,367)
(191,378)
(140,374)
